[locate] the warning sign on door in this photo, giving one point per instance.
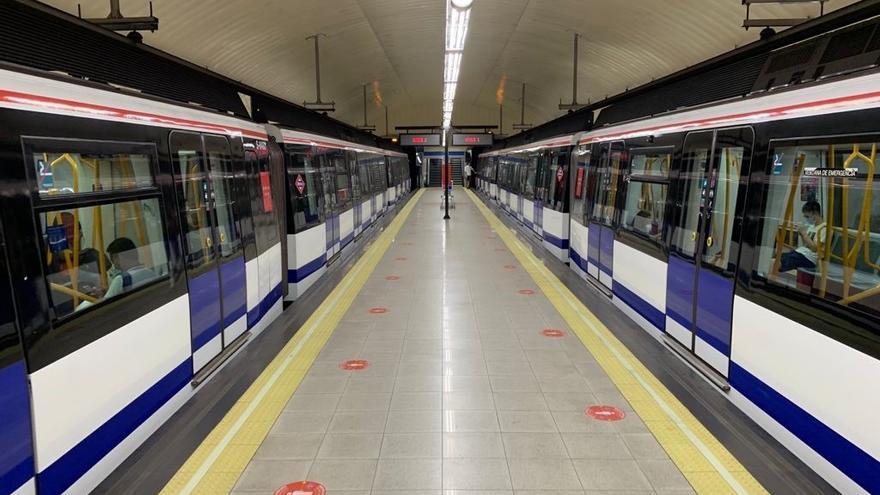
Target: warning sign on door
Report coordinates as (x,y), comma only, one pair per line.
(299,183)
(267,191)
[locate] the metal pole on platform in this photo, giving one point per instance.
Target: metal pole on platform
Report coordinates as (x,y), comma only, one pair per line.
(446,174)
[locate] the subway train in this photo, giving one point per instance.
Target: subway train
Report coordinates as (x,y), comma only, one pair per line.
(142,244)
(744,234)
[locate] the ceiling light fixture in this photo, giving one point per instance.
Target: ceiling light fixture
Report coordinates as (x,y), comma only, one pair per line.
(458,15)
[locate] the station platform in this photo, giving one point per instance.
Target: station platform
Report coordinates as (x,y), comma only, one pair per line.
(451,359)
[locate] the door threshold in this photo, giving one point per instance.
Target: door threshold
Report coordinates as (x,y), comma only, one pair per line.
(696,363)
(599,285)
(221,358)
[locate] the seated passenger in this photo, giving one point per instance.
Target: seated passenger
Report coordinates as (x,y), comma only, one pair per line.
(129,271)
(811,235)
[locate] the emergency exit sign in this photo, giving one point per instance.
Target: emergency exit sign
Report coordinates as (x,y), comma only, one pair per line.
(472,139)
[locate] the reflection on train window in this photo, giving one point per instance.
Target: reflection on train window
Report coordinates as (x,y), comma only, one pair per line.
(340,170)
(530,177)
(194,188)
(304,182)
(73,173)
(694,163)
(222,180)
(723,186)
(96,253)
(607,188)
(579,185)
(821,226)
(646,193)
(557,175)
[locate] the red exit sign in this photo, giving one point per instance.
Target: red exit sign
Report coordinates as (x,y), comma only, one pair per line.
(419,140)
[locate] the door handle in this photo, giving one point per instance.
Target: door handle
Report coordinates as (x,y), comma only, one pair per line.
(693,236)
(709,241)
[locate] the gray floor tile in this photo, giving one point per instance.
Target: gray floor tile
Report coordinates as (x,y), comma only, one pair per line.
(290,446)
(526,422)
(520,401)
(473,445)
(301,422)
(468,401)
(476,474)
(408,474)
(364,401)
(543,474)
(456,421)
(312,402)
(411,445)
(644,446)
(358,422)
(608,474)
(414,421)
(596,446)
(343,474)
(514,384)
(416,401)
(663,474)
(534,445)
(350,446)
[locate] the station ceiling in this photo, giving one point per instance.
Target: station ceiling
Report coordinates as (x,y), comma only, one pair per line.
(396,48)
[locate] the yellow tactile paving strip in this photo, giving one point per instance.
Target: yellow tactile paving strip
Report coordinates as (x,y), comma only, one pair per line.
(703,460)
(218,462)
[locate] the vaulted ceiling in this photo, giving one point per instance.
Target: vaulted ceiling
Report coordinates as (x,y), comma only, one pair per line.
(395,47)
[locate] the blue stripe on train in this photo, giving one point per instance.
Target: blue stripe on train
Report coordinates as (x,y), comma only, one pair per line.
(575,258)
(77,461)
(640,306)
(17,452)
(299,274)
(255,315)
(552,239)
(857,464)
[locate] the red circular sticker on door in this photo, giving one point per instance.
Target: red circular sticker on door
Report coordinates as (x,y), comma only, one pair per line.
(552,332)
(355,365)
(605,413)
(378,310)
(302,488)
(392,277)
(526,292)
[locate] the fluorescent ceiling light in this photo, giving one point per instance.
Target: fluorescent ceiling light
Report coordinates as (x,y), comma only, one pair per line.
(458,16)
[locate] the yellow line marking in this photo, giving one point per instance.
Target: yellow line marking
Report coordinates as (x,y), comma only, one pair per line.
(703,460)
(218,462)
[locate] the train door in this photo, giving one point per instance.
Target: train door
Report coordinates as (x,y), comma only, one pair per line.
(600,237)
(215,265)
(542,162)
(331,213)
(702,253)
(579,213)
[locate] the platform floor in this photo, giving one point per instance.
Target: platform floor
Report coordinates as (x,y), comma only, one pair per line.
(462,393)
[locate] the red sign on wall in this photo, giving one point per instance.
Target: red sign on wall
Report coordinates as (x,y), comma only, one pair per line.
(267,191)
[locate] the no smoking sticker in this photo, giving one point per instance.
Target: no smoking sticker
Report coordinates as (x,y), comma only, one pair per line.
(605,413)
(302,488)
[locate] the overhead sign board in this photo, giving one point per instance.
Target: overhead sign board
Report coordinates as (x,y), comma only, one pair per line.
(420,139)
(472,139)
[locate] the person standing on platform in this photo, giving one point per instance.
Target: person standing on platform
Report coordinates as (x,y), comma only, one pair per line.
(469,176)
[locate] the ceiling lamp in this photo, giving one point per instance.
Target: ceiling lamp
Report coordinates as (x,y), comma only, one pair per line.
(458,15)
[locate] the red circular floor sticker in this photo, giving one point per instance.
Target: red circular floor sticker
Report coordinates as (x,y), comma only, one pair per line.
(355,365)
(400,258)
(552,332)
(302,488)
(605,413)
(392,277)
(509,267)
(378,310)
(526,292)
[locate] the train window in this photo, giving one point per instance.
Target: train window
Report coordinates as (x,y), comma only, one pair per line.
(557,175)
(725,178)
(647,184)
(530,176)
(606,190)
(328,178)
(222,182)
(363,168)
(194,190)
(305,183)
(62,172)
(96,253)
(581,158)
(342,177)
(820,227)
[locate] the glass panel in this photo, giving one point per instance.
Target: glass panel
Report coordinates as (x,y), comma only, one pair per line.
(557,175)
(71,173)
(820,224)
(193,188)
(343,179)
(96,253)
(691,183)
(303,175)
(579,186)
(606,195)
(723,187)
(222,181)
(529,183)
(645,202)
